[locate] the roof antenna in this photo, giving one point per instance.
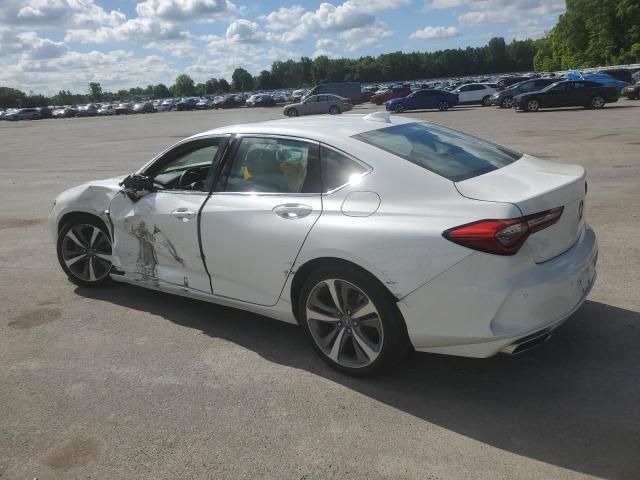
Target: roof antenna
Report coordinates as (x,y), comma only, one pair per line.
(383,117)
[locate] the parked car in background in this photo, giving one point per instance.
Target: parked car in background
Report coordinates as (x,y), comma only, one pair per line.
(65,112)
(87,111)
(568,93)
(318,104)
(622,74)
(204,104)
(261,100)
(187,104)
(430,98)
(143,107)
(632,92)
(504,98)
(350,90)
(168,105)
(389,93)
(229,101)
(505,82)
(106,110)
(23,114)
(297,95)
(123,108)
(45,112)
(474,93)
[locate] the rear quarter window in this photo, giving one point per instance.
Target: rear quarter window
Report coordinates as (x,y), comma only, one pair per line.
(448,153)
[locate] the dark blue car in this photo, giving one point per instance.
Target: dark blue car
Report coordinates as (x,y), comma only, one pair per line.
(420,99)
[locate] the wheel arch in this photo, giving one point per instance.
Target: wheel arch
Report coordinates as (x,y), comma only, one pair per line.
(306,269)
(78,216)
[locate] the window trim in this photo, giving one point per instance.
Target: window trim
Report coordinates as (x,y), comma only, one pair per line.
(230,152)
(367,167)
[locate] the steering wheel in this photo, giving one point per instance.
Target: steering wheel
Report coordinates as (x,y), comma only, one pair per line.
(189,176)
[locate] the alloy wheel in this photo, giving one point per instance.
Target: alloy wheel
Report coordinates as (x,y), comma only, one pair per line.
(443,106)
(597,102)
(344,323)
(533,105)
(507,102)
(86,252)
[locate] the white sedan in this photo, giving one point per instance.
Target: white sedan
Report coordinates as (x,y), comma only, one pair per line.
(377,234)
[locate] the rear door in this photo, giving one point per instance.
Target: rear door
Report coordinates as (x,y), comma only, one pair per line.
(578,93)
(253,226)
(557,96)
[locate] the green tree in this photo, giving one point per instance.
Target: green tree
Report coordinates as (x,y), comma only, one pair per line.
(161,91)
(184,86)
(95,91)
(241,80)
(223,86)
(211,86)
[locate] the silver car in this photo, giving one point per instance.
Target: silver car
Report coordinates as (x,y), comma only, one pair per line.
(377,234)
(316,104)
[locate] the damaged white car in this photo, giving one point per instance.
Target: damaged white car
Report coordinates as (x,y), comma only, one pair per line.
(377,234)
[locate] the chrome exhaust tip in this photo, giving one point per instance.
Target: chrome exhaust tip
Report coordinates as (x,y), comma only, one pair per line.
(528,342)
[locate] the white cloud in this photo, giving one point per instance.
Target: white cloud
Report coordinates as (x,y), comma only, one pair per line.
(283,18)
(508,11)
(246,31)
(326,43)
(29,45)
(57,13)
(324,53)
(444,4)
(183,10)
(357,38)
(429,33)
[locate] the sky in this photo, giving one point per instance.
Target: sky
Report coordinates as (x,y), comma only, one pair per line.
(48,45)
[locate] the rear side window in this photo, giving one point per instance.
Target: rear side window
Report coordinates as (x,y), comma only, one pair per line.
(451,154)
(338,169)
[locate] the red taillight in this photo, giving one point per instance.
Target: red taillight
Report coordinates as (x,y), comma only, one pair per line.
(502,237)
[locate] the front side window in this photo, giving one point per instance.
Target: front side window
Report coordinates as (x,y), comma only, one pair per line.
(559,88)
(451,154)
(274,165)
(338,169)
(189,166)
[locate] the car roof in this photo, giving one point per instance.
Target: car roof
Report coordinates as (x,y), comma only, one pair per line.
(320,127)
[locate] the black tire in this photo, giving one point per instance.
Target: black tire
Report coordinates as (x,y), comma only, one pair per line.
(292,112)
(65,247)
(399,108)
(532,105)
(334,110)
(597,102)
(443,106)
(395,341)
(507,102)
(378,102)
(486,101)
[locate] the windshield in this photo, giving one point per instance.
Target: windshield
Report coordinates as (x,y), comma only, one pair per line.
(448,153)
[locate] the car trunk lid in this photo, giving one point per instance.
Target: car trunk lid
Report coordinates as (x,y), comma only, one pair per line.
(535,185)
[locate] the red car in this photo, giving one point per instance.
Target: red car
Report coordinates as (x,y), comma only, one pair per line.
(382,96)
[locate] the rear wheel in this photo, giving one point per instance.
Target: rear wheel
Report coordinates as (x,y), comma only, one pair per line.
(443,106)
(598,101)
(334,110)
(292,112)
(84,252)
(532,105)
(352,321)
(507,102)
(399,108)
(486,101)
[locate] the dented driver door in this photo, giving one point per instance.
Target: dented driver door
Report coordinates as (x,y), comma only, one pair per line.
(155,234)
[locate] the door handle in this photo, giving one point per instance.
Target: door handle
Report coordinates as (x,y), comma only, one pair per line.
(183,214)
(292,211)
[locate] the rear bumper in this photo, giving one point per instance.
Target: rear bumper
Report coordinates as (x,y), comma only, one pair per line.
(484,304)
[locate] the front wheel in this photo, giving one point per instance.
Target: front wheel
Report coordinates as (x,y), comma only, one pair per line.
(507,102)
(598,102)
(399,108)
(334,110)
(443,106)
(532,105)
(292,112)
(84,252)
(486,101)
(352,321)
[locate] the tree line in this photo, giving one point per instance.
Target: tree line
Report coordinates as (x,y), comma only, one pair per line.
(590,33)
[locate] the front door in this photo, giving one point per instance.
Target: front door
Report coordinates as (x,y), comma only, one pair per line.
(255,223)
(156,234)
(556,96)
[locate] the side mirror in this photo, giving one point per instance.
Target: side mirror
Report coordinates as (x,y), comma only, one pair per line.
(137,186)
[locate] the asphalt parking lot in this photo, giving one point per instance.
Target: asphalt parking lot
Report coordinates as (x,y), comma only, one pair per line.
(127,383)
